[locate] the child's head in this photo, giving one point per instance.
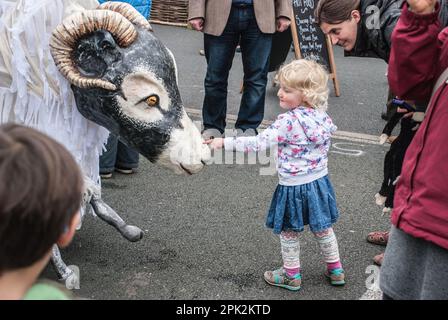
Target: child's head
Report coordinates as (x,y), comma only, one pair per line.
(303,82)
(40,196)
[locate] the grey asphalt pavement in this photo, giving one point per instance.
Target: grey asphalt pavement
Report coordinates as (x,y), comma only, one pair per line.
(205,236)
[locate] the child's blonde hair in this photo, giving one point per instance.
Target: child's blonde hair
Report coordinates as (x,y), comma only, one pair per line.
(310,78)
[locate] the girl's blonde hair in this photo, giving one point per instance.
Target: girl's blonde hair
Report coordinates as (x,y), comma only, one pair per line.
(310,78)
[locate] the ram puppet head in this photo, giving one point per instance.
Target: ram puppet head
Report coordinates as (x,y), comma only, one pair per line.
(124,78)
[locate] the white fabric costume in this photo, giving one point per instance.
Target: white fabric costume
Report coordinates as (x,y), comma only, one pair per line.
(32,91)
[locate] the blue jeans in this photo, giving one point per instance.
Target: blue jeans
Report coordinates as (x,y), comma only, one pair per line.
(117,154)
(219,51)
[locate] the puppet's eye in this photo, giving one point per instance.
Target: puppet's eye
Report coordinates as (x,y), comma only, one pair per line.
(152,100)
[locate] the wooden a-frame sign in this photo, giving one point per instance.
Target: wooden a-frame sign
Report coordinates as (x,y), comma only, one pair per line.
(310,42)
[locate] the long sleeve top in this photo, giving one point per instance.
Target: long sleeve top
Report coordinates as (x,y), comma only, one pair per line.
(302,138)
(421,201)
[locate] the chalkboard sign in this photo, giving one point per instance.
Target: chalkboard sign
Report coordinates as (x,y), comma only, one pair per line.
(309,40)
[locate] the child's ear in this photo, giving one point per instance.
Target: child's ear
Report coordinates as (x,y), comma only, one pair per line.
(65,238)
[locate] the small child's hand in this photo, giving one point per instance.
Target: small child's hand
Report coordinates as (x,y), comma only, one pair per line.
(216,143)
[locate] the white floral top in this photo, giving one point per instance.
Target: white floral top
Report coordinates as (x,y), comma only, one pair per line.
(302,136)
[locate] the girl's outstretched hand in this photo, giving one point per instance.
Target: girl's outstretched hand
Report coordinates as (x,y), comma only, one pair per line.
(216,143)
(422,6)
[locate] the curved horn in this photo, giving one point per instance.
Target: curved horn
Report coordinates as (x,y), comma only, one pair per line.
(66,35)
(128,11)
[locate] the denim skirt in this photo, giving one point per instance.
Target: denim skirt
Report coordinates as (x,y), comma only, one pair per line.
(312,204)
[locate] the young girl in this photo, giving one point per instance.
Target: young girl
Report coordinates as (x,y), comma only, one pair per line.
(304,194)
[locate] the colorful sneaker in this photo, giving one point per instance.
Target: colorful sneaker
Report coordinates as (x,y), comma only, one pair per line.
(279,278)
(336,276)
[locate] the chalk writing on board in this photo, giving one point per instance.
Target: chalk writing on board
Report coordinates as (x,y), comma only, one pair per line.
(305,5)
(312,40)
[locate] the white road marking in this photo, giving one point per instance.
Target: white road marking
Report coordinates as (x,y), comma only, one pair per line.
(346,151)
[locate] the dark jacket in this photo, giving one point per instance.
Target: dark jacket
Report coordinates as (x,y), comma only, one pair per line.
(375,42)
(421,201)
(374,35)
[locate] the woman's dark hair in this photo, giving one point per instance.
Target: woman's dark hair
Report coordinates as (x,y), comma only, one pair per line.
(40,192)
(334,11)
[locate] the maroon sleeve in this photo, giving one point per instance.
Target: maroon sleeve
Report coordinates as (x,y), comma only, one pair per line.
(413,63)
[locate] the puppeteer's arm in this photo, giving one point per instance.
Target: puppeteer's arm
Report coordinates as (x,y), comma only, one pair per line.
(412,74)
